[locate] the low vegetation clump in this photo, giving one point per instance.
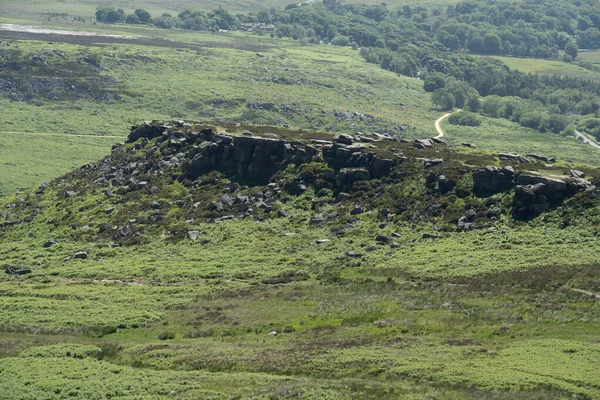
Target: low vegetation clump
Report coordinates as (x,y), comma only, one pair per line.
(465,119)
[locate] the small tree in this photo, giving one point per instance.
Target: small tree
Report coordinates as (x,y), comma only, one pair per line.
(442,100)
(143,15)
(571,49)
(132,19)
(473,103)
(434,82)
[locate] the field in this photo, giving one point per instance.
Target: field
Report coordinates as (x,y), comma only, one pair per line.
(467,316)
(550,67)
(508,311)
(30,159)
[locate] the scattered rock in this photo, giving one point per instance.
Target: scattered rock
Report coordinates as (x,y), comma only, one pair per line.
(470,215)
(536,194)
(576,173)
(383,238)
(422,143)
(193,235)
(357,209)
(538,157)
(80,255)
(494,212)
(490,180)
(316,221)
(432,162)
(343,196)
(49,243)
(353,254)
(17,271)
(344,139)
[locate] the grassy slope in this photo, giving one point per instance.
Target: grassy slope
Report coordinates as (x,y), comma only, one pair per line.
(589,56)
(218,81)
(28,160)
(502,136)
(485,314)
(536,65)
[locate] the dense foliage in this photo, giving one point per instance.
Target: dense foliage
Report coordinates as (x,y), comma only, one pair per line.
(464,118)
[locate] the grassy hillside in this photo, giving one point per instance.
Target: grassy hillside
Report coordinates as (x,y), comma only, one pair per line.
(203,76)
(171,301)
(29,159)
(206,76)
(550,67)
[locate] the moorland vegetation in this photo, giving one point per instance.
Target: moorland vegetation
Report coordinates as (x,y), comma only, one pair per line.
(306,239)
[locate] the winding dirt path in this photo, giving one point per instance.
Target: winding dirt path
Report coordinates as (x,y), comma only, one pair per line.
(438,128)
(586,140)
(586,292)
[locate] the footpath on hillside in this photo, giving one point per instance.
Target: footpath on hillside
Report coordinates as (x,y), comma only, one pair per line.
(438,128)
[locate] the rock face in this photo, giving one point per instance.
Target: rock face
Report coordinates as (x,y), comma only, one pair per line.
(146,130)
(536,194)
(345,156)
(490,180)
(252,158)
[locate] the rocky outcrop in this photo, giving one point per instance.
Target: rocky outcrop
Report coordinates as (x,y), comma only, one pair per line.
(491,180)
(146,130)
(255,158)
(535,194)
(341,155)
(252,158)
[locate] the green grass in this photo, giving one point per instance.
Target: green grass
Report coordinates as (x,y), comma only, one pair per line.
(549,67)
(486,314)
(219,80)
(589,56)
(28,160)
(501,136)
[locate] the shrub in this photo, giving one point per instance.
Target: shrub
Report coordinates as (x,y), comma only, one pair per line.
(63,351)
(464,118)
(166,335)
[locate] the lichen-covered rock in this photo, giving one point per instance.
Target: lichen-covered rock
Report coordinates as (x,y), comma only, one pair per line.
(536,194)
(490,180)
